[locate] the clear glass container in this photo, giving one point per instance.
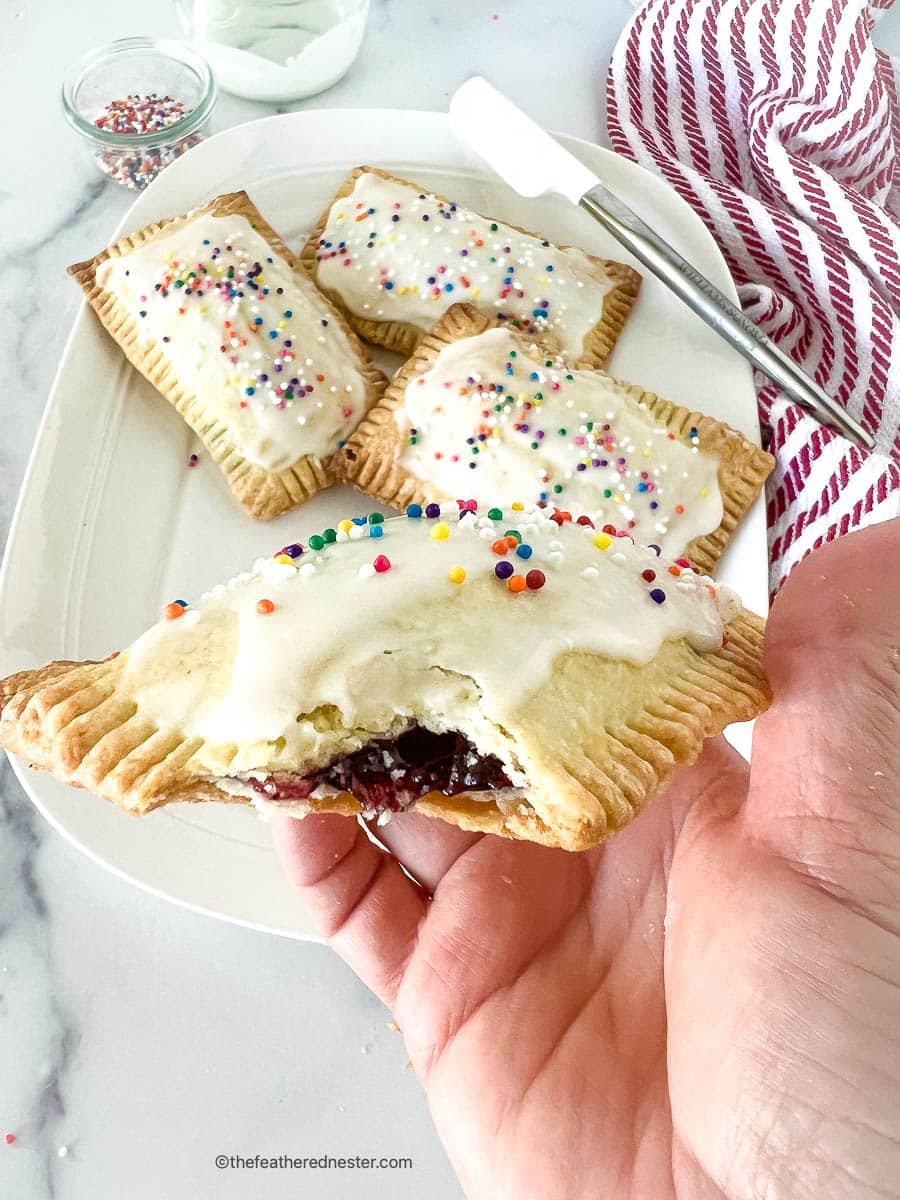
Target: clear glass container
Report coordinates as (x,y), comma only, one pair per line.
(139,103)
(276,50)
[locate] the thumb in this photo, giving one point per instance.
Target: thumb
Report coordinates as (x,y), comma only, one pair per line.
(781,968)
(825,783)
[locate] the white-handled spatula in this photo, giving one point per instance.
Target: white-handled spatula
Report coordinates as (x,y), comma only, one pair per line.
(533,163)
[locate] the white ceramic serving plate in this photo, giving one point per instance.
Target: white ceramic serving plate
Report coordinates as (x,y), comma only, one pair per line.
(111,523)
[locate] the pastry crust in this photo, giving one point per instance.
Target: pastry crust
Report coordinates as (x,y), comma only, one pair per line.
(79,721)
(590,773)
(263,493)
(602,773)
(403,337)
(369,460)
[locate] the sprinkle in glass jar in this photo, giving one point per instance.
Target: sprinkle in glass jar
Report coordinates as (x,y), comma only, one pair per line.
(140,103)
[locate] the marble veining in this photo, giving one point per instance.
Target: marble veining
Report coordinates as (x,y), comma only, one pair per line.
(29,994)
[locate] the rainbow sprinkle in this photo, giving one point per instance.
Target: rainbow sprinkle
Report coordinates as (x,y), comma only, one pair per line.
(504,563)
(135,117)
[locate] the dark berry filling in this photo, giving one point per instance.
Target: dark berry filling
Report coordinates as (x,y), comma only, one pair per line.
(390,775)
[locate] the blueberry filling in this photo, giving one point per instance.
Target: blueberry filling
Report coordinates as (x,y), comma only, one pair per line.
(390,775)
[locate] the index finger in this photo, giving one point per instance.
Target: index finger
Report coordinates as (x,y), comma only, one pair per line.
(369,910)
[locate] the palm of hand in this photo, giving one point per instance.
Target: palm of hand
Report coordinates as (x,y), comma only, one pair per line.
(707,1005)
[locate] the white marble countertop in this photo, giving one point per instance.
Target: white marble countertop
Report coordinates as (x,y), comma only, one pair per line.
(143,1038)
(138,1040)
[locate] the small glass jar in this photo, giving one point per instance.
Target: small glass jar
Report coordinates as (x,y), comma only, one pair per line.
(140,103)
(276,50)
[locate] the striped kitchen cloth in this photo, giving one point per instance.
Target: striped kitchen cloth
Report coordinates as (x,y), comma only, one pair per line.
(778,122)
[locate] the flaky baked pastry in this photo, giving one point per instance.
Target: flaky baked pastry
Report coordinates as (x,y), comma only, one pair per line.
(480,408)
(509,671)
(394,256)
(213,309)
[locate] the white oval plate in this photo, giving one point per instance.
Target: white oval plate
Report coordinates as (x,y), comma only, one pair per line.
(111,523)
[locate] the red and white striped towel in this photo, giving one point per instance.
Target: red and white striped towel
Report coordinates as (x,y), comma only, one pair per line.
(778,122)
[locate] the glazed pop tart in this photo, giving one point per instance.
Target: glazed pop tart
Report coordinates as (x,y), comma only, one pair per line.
(481,409)
(394,257)
(213,309)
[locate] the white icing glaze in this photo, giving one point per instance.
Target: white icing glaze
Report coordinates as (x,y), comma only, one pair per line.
(407,643)
(556,428)
(261,349)
(413,256)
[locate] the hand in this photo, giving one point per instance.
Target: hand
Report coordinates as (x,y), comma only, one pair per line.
(708,1005)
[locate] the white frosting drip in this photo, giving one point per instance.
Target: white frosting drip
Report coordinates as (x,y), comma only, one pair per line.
(553,426)
(412,268)
(280,328)
(386,648)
